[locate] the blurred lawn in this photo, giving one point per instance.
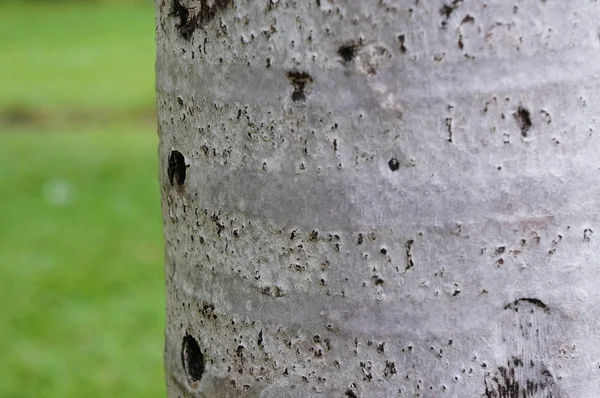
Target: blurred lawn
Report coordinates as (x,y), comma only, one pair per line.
(73,57)
(81,275)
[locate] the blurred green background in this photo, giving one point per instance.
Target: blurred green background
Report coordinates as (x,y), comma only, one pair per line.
(81,275)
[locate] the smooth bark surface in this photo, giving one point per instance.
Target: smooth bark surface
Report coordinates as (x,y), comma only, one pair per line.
(380,198)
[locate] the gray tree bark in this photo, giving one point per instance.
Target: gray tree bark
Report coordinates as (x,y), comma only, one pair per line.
(380,198)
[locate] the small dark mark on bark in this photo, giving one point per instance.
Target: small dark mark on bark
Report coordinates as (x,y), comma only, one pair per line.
(390,369)
(447,9)
(536,302)
(274,291)
(546,116)
(240,351)
(348,51)
(190,19)
(401,39)
(409,260)
(220,226)
(394,164)
(449,128)
(299,81)
(467,19)
(587,233)
(523,118)
(511,382)
(378,281)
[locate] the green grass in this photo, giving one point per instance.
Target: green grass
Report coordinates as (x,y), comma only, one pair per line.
(81,277)
(81,252)
(65,57)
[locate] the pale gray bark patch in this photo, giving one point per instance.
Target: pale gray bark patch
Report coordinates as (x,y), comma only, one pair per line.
(379,198)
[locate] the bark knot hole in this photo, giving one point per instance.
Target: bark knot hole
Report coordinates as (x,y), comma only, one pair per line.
(176,168)
(192,358)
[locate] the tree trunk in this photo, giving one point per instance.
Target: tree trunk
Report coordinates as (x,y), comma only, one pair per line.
(380,198)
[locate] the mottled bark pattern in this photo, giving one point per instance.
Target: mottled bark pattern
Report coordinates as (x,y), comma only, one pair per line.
(380,198)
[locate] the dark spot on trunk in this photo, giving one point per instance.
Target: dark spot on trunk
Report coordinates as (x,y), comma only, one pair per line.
(508,382)
(260,338)
(348,51)
(220,226)
(390,369)
(274,291)
(449,128)
(299,81)
(401,39)
(523,118)
(587,233)
(240,351)
(176,168)
(536,302)
(191,19)
(447,10)
(467,19)
(394,164)
(192,358)
(350,393)
(409,260)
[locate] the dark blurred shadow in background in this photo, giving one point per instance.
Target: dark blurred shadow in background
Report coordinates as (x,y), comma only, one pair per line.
(80,225)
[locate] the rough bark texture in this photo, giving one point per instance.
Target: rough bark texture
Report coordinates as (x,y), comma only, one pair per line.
(380,198)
